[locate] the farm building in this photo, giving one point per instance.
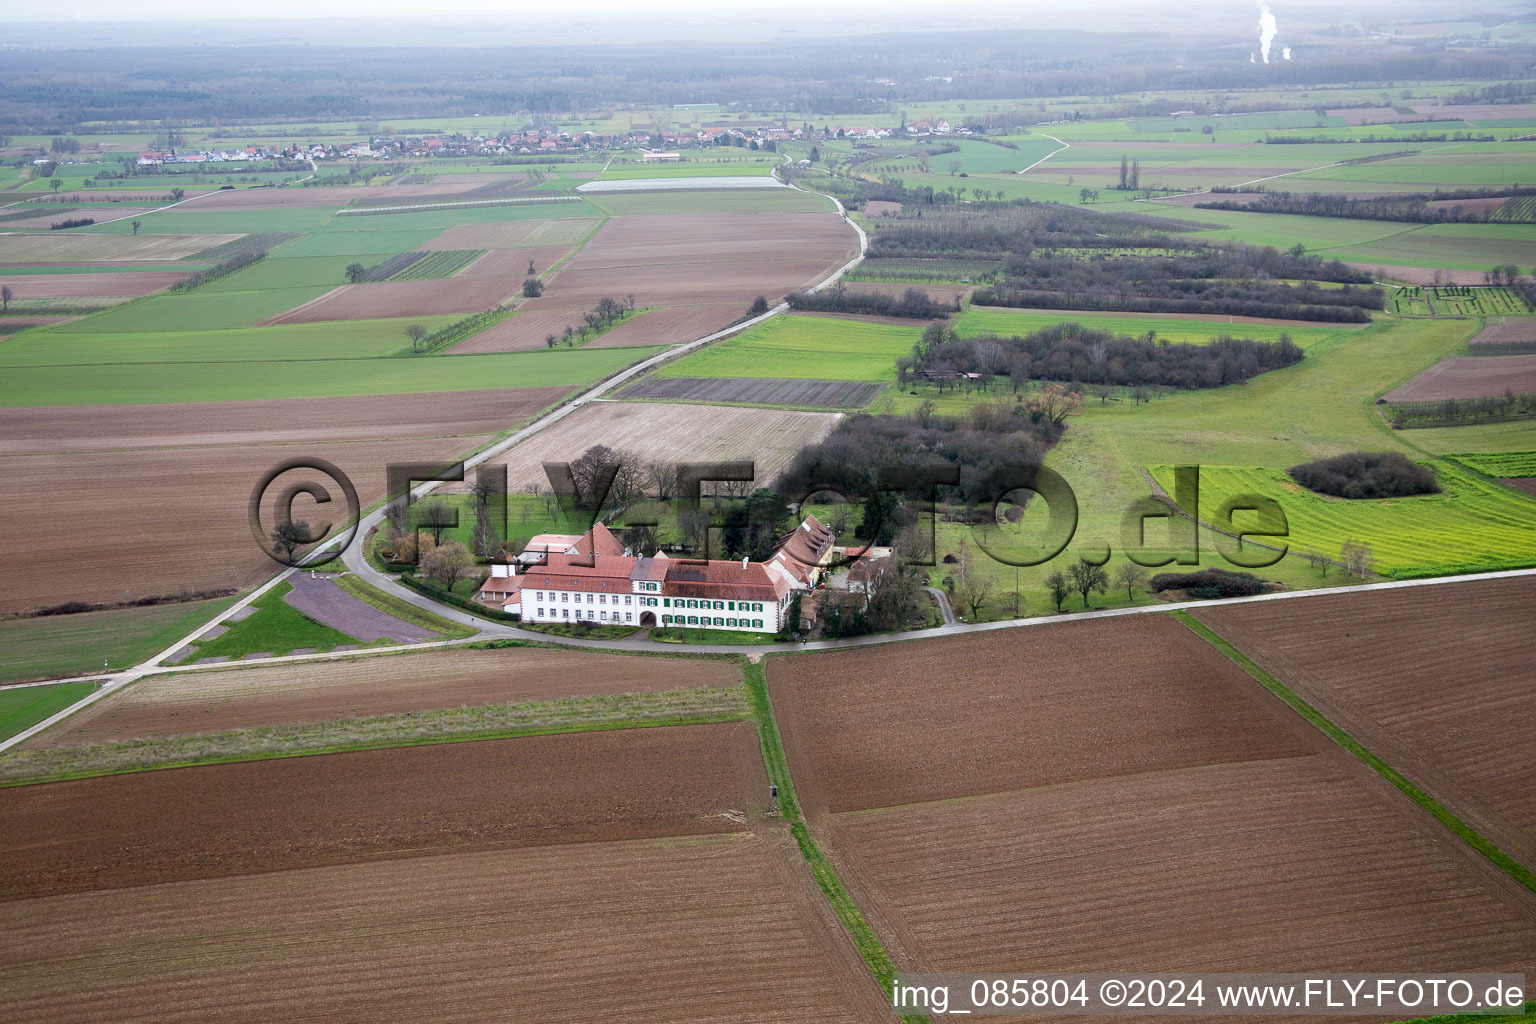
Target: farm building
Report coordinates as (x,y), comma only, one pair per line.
(595,580)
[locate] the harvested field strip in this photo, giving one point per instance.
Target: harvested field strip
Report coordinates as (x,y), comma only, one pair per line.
(24,706)
(1503,861)
(819,394)
(273,815)
(373,732)
(442,263)
(247,245)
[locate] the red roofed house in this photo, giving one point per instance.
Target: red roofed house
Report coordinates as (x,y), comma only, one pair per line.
(592,580)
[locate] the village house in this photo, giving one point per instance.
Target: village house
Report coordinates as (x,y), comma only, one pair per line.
(593,579)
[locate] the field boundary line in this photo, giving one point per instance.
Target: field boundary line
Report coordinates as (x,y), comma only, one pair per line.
(855,925)
(1466,833)
(1064,147)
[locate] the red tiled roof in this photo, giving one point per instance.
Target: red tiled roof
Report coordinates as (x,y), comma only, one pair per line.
(719,580)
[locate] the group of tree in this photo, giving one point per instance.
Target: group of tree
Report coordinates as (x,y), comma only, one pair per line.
(992,435)
(219,270)
(72,222)
(1455,412)
(599,318)
(1229,280)
(1411,209)
(1130,175)
(913,304)
(1366,475)
(1069,353)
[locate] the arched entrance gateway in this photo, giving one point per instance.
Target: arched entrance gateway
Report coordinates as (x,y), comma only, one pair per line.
(647,619)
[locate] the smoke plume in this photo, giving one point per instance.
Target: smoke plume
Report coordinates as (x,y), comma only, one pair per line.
(1267,30)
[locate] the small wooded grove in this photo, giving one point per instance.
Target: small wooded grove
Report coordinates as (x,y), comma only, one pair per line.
(1235,281)
(994,435)
(913,303)
(1366,475)
(1068,352)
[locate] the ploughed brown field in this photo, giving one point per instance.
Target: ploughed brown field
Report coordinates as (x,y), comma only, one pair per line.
(176,705)
(671,325)
(403,298)
(513,263)
(1469,377)
(693,931)
(1419,275)
(235,819)
(165,487)
(119,526)
(1506,328)
(1299,864)
(679,284)
(533,324)
(723,258)
(1015,709)
(71,286)
(672,433)
(1438,681)
(67,428)
(1117,796)
(717,238)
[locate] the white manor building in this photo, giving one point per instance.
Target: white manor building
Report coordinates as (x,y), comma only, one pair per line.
(595,580)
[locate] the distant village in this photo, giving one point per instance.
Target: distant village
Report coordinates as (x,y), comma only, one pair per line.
(532,141)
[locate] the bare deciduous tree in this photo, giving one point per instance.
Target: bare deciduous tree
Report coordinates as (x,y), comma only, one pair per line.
(446,565)
(1132,577)
(1087,578)
(1358,558)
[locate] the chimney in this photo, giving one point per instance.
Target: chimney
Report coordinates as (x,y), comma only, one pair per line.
(743,561)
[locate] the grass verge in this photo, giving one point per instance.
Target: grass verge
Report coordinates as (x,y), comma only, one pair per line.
(686,635)
(853,920)
(1519,872)
(402,610)
(598,632)
(401,729)
(25,706)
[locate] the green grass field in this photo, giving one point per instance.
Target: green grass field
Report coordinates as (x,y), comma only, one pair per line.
(311,378)
(1505,465)
(337,339)
(1471,526)
(982,320)
(198,310)
(803,347)
(25,706)
(72,645)
(276,628)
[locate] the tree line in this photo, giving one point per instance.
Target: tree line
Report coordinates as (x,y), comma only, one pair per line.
(1455,412)
(913,304)
(1411,209)
(1068,352)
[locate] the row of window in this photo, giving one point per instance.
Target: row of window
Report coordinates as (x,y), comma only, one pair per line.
(719,606)
(706,620)
(602,616)
(538,595)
